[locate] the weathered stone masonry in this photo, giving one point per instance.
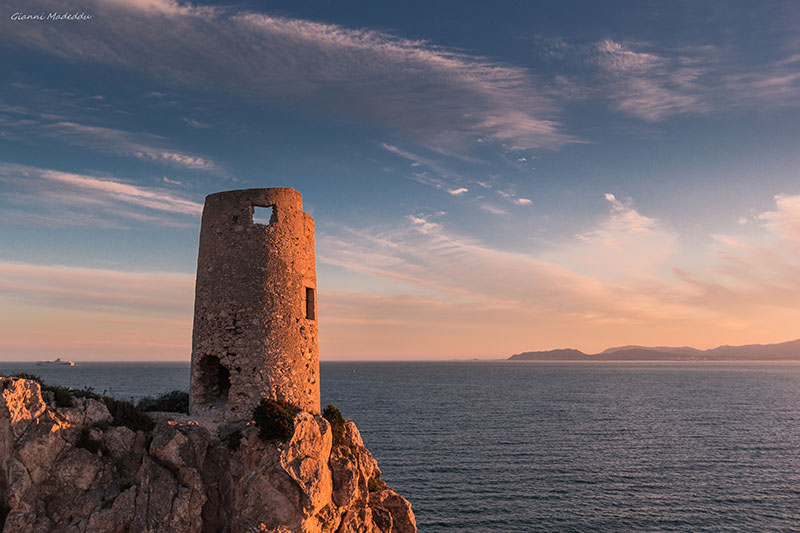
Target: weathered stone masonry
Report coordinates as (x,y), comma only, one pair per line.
(255,327)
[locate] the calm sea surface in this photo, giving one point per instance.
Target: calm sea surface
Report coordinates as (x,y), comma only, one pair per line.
(518,447)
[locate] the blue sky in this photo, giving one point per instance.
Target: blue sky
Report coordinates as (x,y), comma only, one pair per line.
(486,178)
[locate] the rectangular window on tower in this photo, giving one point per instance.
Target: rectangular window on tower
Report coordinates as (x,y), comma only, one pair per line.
(310,311)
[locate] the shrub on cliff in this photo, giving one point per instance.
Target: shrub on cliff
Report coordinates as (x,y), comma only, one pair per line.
(334,416)
(275,420)
(87,392)
(126,414)
(176,401)
(376,484)
(62,395)
(25,375)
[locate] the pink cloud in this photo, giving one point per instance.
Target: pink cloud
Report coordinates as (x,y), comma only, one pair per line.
(785,220)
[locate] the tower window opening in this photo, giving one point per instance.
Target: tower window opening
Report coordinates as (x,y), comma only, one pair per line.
(264,215)
(310,311)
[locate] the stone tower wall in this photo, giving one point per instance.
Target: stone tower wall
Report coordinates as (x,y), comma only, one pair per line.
(255,327)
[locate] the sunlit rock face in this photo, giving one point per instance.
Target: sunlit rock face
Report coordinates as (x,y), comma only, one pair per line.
(76,469)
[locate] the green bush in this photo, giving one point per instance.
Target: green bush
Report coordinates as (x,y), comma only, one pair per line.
(126,414)
(88,392)
(375,484)
(61,394)
(275,420)
(25,375)
(334,416)
(176,401)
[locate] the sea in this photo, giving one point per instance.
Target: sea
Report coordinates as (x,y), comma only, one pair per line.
(507,446)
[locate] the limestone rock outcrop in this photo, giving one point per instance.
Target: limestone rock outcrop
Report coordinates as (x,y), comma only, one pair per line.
(77,469)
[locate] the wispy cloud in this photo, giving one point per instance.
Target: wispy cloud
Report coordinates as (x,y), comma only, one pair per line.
(161,7)
(623,247)
(418,160)
(126,193)
(511,196)
(442,96)
(107,197)
(656,84)
(492,208)
(785,220)
(623,221)
(652,86)
(196,123)
(429,172)
(653,82)
(55,114)
(142,146)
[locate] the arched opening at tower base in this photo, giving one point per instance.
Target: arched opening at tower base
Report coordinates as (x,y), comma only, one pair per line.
(215,382)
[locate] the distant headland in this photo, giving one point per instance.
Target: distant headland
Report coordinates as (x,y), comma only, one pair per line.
(784,351)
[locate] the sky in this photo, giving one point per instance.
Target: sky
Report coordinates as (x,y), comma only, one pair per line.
(486,177)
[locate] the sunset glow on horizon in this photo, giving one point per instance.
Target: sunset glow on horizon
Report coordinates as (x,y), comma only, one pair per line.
(485,180)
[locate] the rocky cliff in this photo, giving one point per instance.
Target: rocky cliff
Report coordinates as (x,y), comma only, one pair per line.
(85,469)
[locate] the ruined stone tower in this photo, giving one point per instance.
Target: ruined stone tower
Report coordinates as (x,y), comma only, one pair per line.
(255,319)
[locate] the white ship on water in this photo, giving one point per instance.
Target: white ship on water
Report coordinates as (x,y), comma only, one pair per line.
(56,362)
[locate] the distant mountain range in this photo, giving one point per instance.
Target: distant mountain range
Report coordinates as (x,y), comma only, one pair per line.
(785,351)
